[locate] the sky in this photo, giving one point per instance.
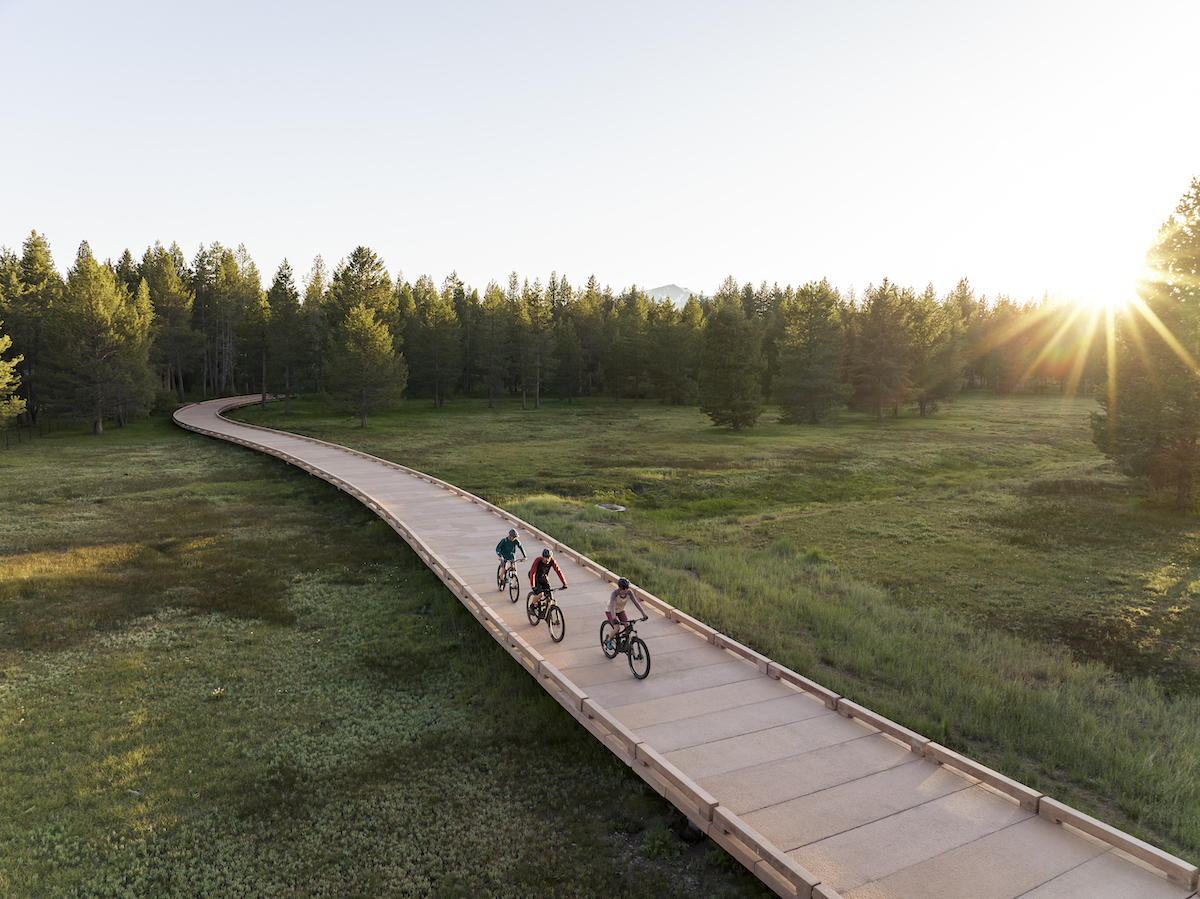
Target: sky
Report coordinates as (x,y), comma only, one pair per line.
(1030,147)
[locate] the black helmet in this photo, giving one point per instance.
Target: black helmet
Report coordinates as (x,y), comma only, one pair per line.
(512,533)
(545,553)
(623,583)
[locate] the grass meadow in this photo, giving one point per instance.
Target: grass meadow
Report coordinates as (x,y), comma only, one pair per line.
(983,576)
(220,676)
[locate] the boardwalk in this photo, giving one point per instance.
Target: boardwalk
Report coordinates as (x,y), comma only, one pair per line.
(816,795)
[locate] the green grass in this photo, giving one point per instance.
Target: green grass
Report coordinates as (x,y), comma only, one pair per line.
(221,677)
(984,576)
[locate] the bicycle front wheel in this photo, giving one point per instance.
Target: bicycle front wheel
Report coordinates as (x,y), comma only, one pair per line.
(639,658)
(608,642)
(532,603)
(514,587)
(558,624)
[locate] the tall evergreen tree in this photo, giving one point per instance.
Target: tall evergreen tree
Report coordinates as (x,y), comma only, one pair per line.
(1151,420)
(434,342)
(466,311)
(364,371)
(673,338)
(935,351)
(99,362)
(1001,347)
(811,355)
(177,345)
(881,364)
(363,279)
(630,351)
(769,300)
(127,272)
(31,301)
(588,318)
(288,337)
(315,286)
(494,340)
(226,284)
(539,320)
(254,341)
(520,330)
(731,376)
(11,405)
(568,363)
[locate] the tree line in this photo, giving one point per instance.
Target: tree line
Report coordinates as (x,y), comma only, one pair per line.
(117,339)
(1150,400)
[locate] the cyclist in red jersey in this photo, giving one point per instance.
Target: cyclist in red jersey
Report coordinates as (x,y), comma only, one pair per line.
(539,573)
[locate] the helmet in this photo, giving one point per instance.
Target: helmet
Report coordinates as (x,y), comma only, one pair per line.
(512,533)
(545,553)
(623,583)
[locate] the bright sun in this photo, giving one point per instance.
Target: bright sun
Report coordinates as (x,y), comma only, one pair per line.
(1110,288)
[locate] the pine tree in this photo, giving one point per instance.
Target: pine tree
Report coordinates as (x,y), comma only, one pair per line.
(588,318)
(494,345)
(881,363)
(999,341)
(37,291)
(11,405)
(362,279)
(226,284)
(539,324)
(812,354)
(673,336)
(1151,420)
(99,362)
(364,371)
(315,286)
(289,347)
(254,336)
(127,272)
(466,310)
(630,352)
(177,346)
(935,351)
(568,363)
(731,376)
(434,341)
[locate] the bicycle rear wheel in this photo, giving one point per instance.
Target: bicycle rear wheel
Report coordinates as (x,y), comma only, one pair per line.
(558,624)
(514,586)
(639,658)
(608,642)
(532,610)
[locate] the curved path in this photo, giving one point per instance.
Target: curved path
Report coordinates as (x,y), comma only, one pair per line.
(816,795)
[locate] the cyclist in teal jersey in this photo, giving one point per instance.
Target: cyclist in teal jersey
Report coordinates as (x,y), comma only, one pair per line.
(506,549)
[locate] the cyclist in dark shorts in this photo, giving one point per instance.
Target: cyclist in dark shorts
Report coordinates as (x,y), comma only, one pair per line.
(539,573)
(616,604)
(506,549)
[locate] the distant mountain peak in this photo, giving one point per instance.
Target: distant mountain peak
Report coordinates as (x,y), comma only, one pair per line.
(673,292)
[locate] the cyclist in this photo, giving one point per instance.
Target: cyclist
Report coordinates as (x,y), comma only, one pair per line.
(506,551)
(539,573)
(616,605)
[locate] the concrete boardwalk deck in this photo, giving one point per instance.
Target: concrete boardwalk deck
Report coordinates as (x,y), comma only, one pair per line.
(816,795)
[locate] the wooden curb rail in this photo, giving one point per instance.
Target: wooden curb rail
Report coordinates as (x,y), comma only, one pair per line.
(768,862)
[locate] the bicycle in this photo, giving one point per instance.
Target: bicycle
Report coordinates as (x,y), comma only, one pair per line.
(540,605)
(506,576)
(626,640)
